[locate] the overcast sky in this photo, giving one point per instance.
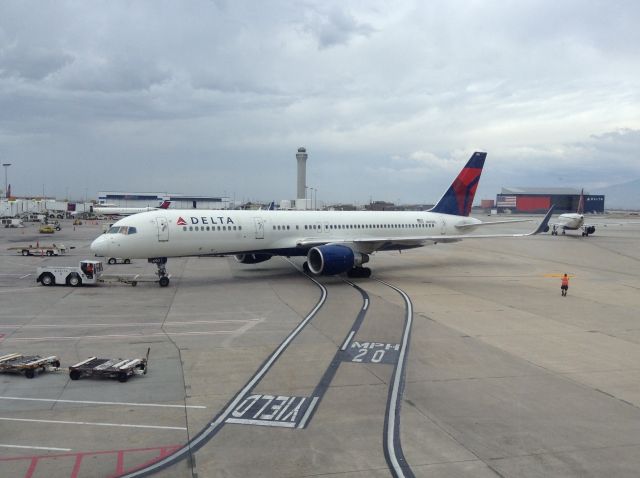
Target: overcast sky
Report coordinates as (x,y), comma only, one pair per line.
(389,98)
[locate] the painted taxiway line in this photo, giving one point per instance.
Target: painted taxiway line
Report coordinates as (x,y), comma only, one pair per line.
(45,448)
(90,402)
(119,336)
(95,424)
(117,325)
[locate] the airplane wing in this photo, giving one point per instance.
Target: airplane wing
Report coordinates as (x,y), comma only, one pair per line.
(491,223)
(378,243)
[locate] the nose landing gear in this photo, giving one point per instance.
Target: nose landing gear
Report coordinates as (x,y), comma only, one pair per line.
(163,275)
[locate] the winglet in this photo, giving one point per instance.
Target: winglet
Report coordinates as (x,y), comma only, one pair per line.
(544,224)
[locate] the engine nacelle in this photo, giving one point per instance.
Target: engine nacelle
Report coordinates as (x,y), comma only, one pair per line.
(333,259)
(591,229)
(252,258)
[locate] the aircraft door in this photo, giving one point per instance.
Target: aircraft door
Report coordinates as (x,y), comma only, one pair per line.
(443,226)
(259,223)
(163,229)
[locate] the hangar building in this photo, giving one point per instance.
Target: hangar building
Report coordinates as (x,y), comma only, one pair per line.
(178,201)
(539,200)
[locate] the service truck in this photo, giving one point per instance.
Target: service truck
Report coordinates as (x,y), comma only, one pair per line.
(11,222)
(86,273)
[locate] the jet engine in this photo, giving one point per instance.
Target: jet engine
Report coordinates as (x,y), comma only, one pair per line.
(252,258)
(591,229)
(334,259)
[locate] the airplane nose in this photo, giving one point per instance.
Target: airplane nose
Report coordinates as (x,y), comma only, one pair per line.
(99,246)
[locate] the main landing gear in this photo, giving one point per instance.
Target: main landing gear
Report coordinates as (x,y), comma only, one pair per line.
(359,273)
(554,231)
(163,275)
(355,273)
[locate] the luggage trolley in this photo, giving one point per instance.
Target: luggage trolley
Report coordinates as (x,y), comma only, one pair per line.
(18,363)
(119,368)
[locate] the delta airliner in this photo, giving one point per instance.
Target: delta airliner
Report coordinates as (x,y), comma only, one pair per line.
(334,242)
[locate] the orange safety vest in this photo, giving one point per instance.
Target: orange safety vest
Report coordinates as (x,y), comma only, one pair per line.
(565,281)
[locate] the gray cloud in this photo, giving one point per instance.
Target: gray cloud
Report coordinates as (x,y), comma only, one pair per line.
(206,97)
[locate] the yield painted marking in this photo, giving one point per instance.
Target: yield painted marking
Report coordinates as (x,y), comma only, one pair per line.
(373,352)
(89,402)
(47,448)
(348,340)
(268,410)
(64,422)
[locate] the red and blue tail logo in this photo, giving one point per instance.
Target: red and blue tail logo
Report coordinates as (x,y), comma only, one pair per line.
(459,197)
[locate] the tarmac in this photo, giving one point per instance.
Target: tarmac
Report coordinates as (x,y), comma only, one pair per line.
(482,369)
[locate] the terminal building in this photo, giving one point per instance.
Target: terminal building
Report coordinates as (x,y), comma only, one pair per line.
(154,199)
(539,200)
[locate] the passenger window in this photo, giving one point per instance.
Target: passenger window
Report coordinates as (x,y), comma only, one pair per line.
(191,228)
(184,228)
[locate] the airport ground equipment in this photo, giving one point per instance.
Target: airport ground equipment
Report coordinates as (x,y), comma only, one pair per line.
(119,368)
(30,250)
(118,260)
(27,364)
(132,279)
(11,222)
(86,273)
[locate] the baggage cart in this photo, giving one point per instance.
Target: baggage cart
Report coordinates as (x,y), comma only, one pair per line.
(29,364)
(119,368)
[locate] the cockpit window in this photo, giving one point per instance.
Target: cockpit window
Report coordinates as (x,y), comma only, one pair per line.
(122,230)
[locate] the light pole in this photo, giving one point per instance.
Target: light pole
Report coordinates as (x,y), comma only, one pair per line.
(6,166)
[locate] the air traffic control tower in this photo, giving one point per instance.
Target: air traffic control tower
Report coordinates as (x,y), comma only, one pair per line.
(301,157)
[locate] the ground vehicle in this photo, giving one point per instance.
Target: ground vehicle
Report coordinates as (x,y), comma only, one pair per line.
(47,230)
(11,222)
(118,260)
(86,273)
(38,250)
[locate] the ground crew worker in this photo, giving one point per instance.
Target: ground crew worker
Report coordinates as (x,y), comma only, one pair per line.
(564,287)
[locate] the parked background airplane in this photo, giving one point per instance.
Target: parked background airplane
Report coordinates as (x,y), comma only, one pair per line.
(334,242)
(573,221)
(127,211)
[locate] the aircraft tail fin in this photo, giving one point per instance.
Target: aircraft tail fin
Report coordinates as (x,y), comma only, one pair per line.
(459,197)
(581,203)
(165,204)
(272,206)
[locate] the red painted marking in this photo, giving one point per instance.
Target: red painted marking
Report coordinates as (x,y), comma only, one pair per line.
(76,466)
(79,456)
(120,464)
(32,467)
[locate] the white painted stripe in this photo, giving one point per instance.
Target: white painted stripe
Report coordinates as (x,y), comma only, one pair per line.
(366,304)
(118,336)
(90,402)
(264,423)
(312,405)
(348,340)
(128,324)
(396,385)
(48,448)
(241,395)
(24,276)
(96,424)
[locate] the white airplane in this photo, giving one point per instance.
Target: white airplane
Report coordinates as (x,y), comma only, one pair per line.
(334,242)
(127,211)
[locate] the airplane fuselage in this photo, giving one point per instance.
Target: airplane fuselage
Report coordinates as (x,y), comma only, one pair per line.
(176,233)
(571,221)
